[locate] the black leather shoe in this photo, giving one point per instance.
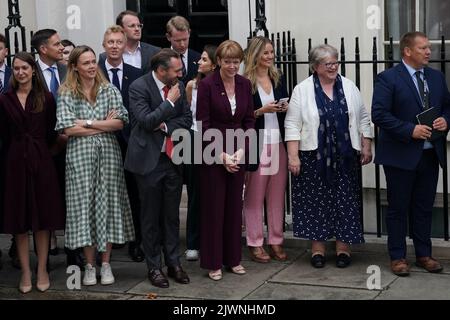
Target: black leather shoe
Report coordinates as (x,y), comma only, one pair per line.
(178,274)
(318,261)
(343,260)
(157,278)
(135,252)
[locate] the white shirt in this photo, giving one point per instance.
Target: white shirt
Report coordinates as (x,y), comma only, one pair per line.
(412,73)
(133,58)
(119,73)
(271,127)
(233,104)
(302,118)
(47,73)
(194,108)
(160,86)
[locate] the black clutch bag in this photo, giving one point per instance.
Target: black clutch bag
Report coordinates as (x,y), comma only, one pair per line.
(427,118)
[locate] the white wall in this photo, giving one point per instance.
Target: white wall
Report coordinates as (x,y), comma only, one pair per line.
(94,18)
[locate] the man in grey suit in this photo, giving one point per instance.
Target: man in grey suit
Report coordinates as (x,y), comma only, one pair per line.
(158,106)
(137,53)
(47,43)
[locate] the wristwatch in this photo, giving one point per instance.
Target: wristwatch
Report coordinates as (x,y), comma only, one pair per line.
(88,124)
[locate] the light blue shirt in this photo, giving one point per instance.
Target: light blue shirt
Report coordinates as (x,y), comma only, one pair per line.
(412,73)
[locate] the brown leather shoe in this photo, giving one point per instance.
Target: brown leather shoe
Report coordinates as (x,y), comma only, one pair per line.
(258,254)
(400,267)
(278,253)
(430,264)
(157,278)
(178,274)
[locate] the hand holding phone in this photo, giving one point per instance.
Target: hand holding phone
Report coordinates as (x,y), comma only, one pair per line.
(282,104)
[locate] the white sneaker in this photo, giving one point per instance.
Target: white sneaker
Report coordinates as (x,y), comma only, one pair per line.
(192,255)
(106,274)
(90,277)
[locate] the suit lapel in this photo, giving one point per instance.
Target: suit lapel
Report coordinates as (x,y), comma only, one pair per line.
(154,89)
(404,74)
(62,70)
(38,66)
(125,79)
(223,94)
(102,67)
(239,94)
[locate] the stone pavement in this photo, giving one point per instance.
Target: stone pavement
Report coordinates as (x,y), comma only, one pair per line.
(294,279)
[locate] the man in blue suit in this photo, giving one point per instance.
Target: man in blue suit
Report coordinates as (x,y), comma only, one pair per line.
(5,71)
(410,159)
(122,76)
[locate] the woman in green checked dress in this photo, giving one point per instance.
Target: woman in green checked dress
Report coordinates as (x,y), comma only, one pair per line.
(98,210)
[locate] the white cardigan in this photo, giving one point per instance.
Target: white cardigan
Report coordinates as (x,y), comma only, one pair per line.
(302,118)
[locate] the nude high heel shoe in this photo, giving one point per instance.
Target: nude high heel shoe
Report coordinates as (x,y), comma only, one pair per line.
(42,286)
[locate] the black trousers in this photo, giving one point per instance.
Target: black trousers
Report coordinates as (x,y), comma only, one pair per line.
(133,193)
(192,181)
(411,191)
(160,195)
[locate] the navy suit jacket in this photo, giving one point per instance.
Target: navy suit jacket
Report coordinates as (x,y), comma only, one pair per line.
(395,104)
(192,66)
(8,74)
(130,74)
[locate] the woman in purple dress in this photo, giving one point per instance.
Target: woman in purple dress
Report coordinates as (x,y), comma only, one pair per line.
(32,200)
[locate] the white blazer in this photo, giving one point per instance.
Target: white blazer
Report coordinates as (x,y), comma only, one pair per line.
(302,118)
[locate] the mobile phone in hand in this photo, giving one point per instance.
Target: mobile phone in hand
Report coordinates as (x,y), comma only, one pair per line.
(282,101)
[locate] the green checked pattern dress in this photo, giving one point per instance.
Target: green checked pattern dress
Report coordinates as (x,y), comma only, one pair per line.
(98,209)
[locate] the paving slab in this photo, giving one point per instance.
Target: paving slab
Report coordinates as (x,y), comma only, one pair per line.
(231,286)
(276,291)
(355,276)
(419,286)
(14,294)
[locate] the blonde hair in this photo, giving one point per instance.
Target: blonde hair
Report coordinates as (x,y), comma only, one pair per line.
(254,51)
(178,23)
(73,81)
(229,49)
(114,29)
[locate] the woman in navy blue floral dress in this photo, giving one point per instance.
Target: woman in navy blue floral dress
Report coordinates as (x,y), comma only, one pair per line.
(328,135)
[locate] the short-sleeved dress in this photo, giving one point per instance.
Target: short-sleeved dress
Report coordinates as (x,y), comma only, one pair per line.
(98,209)
(32,198)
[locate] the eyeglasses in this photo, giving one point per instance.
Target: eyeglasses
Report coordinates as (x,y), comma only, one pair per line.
(133,26)
(328,65)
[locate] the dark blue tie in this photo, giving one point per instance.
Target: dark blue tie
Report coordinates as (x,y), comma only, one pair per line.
(422,91)
(115,79)
(54,84)
(184,66)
